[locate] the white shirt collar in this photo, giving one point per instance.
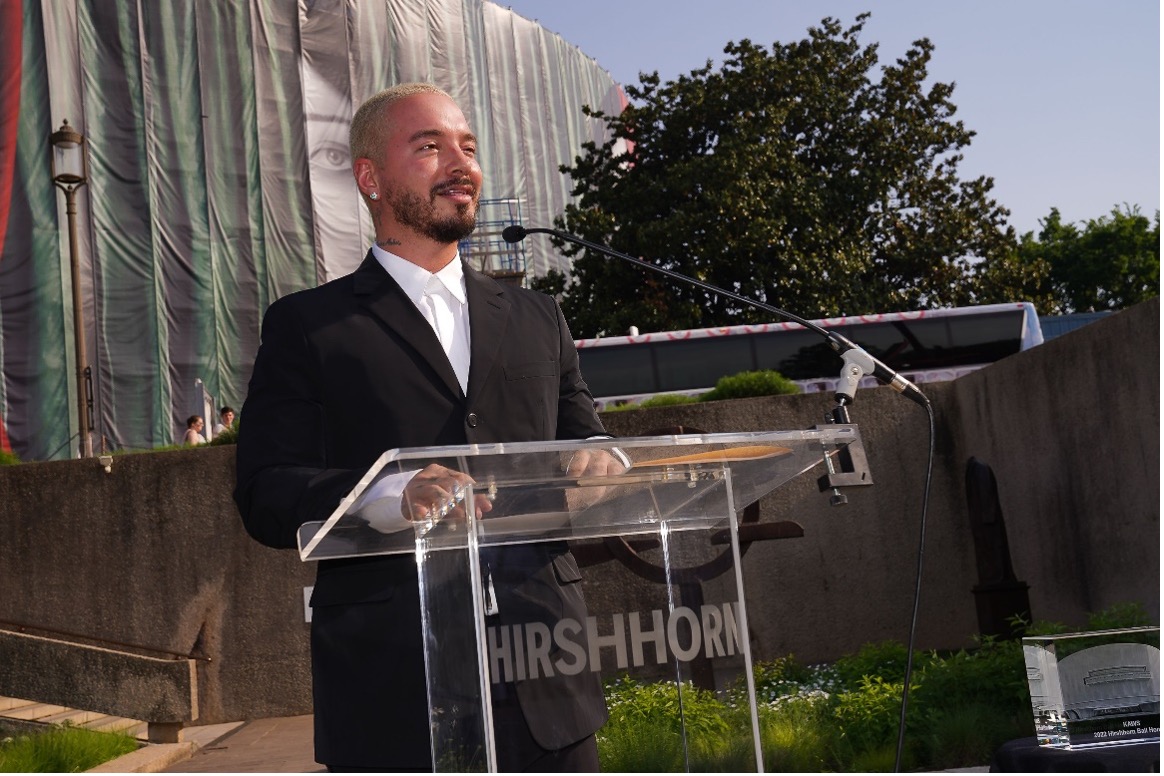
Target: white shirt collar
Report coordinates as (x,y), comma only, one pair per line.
(412,279)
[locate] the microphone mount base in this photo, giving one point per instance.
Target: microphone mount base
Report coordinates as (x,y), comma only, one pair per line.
(847,468)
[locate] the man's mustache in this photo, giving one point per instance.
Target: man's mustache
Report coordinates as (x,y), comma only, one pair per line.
(444,186)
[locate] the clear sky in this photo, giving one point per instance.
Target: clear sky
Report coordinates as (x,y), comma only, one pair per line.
(1064,94)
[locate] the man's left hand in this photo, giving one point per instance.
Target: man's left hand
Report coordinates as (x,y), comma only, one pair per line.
(591,463)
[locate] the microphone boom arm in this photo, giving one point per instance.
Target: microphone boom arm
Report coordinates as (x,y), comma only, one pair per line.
(857,361)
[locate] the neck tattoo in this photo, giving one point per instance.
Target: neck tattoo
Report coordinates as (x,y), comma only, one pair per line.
(387,242)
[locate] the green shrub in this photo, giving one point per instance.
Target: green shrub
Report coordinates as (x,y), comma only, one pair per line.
(659,400)
(796,733)
(700,710)
(633,745)
(1129,615)
(738,386)
(62,749)
(885,659)
(646,724)
(969,733)
(867,717)
(668,400)
(880,760)
(734,752)
(776,680)
(1125,615)
(994,670)
(8,459)
(229,436)
(765,382)
(844,717)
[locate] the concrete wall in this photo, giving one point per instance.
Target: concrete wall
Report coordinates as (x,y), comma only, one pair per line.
(162,690)
(152,559)
(153,556)
(1071,430)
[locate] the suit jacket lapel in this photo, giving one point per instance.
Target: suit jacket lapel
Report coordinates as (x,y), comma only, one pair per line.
(488,316)
(375,289)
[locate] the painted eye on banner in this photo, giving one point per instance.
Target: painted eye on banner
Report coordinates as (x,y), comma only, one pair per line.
(331,157)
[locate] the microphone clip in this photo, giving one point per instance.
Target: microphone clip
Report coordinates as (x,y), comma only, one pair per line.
(857,364)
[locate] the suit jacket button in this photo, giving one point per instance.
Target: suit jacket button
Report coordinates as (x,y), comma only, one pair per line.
(472,420)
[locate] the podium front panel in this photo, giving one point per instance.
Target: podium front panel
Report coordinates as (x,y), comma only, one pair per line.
(547,648)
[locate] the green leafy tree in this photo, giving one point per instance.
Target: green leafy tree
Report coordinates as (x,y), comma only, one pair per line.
(1110,263)
(792,176)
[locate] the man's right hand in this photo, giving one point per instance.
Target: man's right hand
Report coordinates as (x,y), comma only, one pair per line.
(437,489)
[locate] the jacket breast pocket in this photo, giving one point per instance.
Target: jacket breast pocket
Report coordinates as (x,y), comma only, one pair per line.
(531,369)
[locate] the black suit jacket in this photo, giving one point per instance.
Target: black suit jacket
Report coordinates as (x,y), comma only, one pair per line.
(346,371)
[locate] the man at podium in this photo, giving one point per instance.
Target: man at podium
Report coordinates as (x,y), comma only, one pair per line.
(415,348)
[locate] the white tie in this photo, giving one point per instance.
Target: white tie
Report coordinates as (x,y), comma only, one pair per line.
(444,313)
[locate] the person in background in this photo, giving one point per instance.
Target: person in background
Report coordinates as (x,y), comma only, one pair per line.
(194,431)
(225,419)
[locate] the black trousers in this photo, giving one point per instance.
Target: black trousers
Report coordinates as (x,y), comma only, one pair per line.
(517,752)
(581,757)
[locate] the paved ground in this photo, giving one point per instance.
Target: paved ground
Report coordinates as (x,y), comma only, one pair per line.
(279,745)
(282,745)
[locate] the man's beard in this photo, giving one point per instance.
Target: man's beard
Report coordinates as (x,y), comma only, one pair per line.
(412,211)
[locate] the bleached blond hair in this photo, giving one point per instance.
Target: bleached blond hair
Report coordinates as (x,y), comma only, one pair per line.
(367,125)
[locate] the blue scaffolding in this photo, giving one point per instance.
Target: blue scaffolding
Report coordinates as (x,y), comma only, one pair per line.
(485,249)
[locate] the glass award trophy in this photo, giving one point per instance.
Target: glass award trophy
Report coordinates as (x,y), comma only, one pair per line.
(1095,689)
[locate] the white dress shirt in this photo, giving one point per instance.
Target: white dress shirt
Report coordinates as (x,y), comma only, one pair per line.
(440,297)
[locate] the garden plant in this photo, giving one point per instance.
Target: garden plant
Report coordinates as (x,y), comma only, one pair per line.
(839,717)
(62,749)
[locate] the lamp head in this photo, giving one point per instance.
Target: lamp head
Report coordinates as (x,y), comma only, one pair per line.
(70,162)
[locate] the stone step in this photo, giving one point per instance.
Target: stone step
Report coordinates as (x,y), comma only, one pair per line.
(132,727)
(51,714)
(71,717)
(31,711)
(8,703)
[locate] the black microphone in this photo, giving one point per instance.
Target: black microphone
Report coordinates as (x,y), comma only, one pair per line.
(514,233)
(858,361)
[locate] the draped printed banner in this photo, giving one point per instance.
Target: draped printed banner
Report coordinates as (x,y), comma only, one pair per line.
(220,180)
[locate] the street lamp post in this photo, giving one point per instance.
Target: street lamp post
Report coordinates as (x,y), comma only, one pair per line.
(70,171)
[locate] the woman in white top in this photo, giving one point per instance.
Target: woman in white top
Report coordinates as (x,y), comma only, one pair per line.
(194,431)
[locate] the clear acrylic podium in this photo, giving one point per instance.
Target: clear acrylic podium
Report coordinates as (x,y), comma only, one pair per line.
(493,625)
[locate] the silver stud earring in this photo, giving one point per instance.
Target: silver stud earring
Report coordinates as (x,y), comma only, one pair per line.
(374,195)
